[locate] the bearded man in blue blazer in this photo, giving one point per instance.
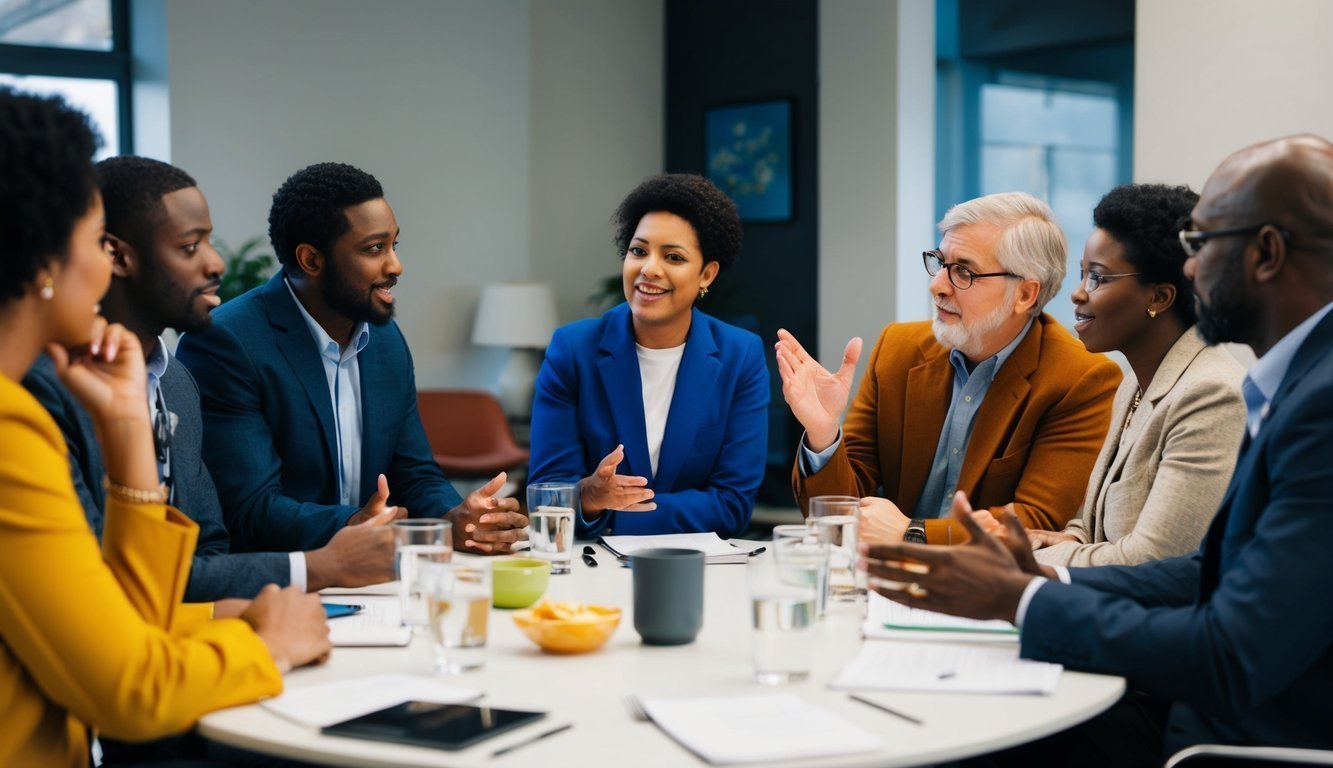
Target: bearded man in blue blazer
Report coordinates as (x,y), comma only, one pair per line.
(1235,636)
(308,390)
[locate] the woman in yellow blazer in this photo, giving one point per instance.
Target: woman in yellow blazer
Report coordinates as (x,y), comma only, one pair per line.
(88,638)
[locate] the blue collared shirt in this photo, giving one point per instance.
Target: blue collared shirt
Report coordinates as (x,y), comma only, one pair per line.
(969,389)
(1267,373)
(343,374)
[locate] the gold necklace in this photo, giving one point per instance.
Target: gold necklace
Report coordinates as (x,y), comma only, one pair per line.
(1134,406)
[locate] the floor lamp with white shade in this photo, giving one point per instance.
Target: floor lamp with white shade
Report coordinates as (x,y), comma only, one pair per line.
(520,316)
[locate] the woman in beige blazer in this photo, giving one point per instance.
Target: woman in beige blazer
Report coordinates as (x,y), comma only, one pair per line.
(1178,419)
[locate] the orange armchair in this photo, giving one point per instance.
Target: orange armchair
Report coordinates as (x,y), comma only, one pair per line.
(469,433)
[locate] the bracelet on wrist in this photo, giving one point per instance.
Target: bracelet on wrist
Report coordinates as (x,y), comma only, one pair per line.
(125,493)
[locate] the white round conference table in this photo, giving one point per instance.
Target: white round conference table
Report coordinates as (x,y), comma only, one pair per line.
(589,691)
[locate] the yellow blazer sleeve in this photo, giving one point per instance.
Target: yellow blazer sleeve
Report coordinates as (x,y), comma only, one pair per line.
(91,635)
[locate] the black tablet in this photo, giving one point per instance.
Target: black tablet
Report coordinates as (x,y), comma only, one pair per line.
(427,724)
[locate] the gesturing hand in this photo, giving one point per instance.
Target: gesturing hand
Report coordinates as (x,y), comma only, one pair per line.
(816,397)
(981,579)
(881,520)
(604,489)
(377,505)
(485,524)
(357,555)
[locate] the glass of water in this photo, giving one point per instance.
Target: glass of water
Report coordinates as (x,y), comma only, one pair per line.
(784,600)
(552,508)
(418,541)
(834,520)
(460,609)
(793,542)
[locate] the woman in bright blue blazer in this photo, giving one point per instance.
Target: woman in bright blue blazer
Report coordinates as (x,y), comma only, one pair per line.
(659,411)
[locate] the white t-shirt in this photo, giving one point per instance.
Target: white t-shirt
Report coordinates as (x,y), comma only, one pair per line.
(657,370)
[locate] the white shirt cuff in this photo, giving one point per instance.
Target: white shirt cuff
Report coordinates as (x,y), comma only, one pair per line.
(1063,573)
(1023,601)
(812,462)
(297,560)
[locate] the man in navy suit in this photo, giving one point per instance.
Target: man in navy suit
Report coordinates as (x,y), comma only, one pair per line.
(166,275)
(309,398)
(1237,636)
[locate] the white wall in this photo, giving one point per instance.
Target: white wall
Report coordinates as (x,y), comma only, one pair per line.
(597,131)
(876,166)
(450,104)
(1214,76)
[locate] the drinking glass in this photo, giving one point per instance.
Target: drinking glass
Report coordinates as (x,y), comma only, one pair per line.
(460,609)
(792,542)
(415,542)
(784,607)
(834,520)
(551,511)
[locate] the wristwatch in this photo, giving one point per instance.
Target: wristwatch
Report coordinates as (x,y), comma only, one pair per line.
(916,531)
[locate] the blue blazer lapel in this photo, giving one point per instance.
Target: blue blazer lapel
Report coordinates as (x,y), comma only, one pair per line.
(619,369)
(298,348)
(695,380)
(379,417)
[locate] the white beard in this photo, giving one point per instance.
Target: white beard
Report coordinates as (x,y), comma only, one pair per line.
(968,336)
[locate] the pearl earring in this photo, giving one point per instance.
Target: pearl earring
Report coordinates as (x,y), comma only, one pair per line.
(48,291)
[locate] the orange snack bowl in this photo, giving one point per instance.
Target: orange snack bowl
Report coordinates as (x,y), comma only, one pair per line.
(568,627)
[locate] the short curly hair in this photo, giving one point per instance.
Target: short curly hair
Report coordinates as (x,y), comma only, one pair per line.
(693,198)
(1145,220)
(310,207)
(46,184)
(132,191)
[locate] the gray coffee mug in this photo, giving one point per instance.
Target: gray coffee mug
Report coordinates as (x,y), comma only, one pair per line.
(668,595)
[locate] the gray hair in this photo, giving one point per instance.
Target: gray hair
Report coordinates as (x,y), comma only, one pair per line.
(1032,244)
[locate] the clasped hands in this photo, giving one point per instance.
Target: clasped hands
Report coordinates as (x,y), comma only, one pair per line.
(982,579)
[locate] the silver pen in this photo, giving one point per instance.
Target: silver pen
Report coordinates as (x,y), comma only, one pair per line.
(525,742)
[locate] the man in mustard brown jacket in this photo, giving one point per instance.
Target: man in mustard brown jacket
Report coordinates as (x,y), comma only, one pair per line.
(991,396)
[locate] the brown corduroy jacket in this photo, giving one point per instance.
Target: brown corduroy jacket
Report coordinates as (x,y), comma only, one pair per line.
(1036,436)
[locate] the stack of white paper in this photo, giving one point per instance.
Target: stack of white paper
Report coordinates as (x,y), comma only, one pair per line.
(886,619)
(319,705)
(947,668)
(380,623)
(752,729)
(714,548)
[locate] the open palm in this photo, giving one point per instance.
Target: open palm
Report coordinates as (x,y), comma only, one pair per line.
(816,396)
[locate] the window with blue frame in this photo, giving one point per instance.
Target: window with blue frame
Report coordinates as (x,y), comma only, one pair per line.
(78,49)
(1031,99)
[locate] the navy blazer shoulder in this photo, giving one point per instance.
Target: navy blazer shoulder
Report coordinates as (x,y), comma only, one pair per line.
(269,432)
(1236,634)
(215,572)
(589,398)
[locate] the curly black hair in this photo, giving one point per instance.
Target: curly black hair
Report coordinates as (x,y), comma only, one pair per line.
(309,206)
(132,191)
(693,198)
(1145,219)
(46,184)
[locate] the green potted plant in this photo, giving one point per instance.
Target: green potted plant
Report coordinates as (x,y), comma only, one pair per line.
(247,267)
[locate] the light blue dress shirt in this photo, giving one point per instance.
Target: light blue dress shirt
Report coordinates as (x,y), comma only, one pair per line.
(343,374)
(969,390)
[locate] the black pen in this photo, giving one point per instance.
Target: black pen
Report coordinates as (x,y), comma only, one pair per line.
(525,742)
(883,708)
(754,552)
(588,558)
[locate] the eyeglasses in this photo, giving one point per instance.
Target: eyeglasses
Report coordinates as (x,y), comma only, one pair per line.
(959,275)
(1193,240)
(1092,281)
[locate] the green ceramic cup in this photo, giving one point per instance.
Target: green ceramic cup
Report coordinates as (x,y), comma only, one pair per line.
(519,582)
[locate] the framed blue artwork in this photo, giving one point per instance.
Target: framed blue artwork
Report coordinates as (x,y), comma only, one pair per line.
(749,157)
